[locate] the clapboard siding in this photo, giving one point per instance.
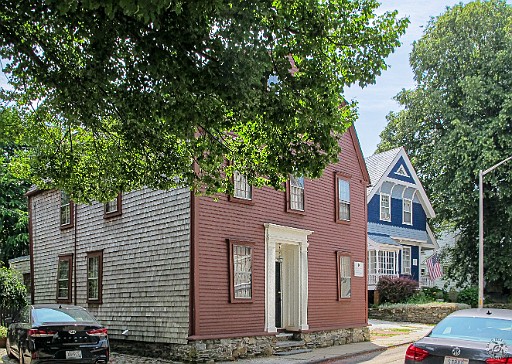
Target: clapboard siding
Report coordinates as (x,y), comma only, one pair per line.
(221,219)
(146,261)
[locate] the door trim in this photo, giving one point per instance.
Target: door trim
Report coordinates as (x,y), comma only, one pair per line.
(296,240)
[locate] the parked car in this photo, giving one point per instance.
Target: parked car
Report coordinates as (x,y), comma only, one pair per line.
(472,336)
(57,334)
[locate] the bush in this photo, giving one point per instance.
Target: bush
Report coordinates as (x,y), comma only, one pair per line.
(469,296)
(13,293)
(396,290)
(3,332)
(419,298)
(435,293)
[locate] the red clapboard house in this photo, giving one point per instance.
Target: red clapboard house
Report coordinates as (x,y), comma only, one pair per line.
(179,272)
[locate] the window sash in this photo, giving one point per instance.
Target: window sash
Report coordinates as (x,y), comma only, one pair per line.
(242,188)
(64,279)
(407,209)
(385,207)
(406,260)
(387,262)
(343,200)
(111,206)
(345,276)
(297,193)
(94,276)
(242,272)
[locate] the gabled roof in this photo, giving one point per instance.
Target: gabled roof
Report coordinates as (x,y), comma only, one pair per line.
(380,167)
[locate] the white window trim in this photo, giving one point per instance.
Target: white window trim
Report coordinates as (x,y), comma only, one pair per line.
(388,207)
(403,211)
(406,269)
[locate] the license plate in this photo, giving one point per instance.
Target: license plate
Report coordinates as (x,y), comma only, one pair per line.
(454,360)
(75,354)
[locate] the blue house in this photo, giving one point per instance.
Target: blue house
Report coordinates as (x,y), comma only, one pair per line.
(399,237)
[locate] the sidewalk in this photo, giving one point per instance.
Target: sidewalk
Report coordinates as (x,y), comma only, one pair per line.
(384,335)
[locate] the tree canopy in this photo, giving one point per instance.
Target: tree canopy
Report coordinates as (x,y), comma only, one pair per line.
(457,121)
(13,204)
(121,94)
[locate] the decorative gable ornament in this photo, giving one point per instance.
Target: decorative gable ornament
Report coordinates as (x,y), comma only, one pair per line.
(402,171)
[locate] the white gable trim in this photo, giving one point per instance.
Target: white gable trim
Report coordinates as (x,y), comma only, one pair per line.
(425,202)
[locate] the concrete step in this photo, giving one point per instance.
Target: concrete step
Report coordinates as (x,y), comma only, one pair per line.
(285,346)
(293,352)
(284,336)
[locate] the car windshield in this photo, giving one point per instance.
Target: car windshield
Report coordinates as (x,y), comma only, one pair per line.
(46,315)
(474,328)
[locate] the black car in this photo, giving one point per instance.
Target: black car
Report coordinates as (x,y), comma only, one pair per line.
(473,336)
(57,334)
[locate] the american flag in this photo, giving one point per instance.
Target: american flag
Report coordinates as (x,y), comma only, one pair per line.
(434,267)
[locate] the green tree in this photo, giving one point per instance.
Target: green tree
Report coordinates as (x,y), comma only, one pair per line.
(458,120)
(118,94)
(13,293)
(13,204)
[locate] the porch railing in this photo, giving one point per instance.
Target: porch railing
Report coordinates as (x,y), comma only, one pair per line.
(373,279)
(425,281)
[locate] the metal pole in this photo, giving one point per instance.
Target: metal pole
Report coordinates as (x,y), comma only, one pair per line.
(481,175)
(480,241)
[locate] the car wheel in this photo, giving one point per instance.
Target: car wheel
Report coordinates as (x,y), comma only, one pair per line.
(9,350)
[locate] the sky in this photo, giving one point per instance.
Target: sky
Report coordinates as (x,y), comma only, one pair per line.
(376,101)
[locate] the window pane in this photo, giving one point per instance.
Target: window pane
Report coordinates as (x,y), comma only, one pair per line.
(297,193)
(111,206)
(65,209)
(407,206)
(345,277)
(93,270)
(242,189)
(385,211)
(242,275)
(344,190)
(63,279)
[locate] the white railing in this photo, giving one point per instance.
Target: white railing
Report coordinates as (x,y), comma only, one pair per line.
(374,278)
(425,281)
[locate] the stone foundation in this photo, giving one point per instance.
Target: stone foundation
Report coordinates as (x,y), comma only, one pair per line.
(209,351)
(425,313)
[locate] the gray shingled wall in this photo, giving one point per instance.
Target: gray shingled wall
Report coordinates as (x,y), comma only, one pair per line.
(146,260)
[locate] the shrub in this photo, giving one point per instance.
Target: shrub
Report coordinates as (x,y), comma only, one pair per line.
(13,293)
(469,296)
(419,298)
(396,290)
(3,332)
(435,293)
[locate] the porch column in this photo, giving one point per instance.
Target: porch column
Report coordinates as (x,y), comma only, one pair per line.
(270,276)
(303,269)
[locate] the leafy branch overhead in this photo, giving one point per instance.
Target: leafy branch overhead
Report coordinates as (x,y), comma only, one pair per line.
(122,94)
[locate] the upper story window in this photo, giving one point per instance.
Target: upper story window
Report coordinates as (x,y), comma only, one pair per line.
(344,275)
(242,188)
(343,199)
(94,276)
(241,262)
(385,207)
(66,210)
(406,260)
(296,193)
(64,278)
(407,211)
(113,207)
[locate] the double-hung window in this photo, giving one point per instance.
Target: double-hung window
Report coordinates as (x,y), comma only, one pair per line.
(385,207)
(241,272)
(387,262)
(66,210)
(406,260)
(343,199)
(344,275)
(296,193)
(242,189)
(94,276)
(64,278)
(407,211)
(114,207)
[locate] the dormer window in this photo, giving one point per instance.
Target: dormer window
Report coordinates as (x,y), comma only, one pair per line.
(385,207)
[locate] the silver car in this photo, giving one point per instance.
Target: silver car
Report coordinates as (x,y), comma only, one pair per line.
(473,336)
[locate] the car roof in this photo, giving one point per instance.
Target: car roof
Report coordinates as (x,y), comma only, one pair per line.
(498,313)
(56,306)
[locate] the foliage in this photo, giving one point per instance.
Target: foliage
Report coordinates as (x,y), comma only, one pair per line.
(469,296)
(457,121)
(119,94)
(13,293)
(3,332)
(396,290)
(13,204)
(420,297)
(428,294)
